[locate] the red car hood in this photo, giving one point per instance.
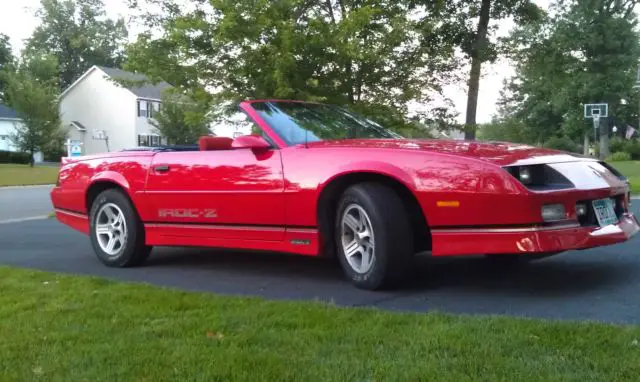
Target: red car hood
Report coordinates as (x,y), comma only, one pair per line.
(500,153)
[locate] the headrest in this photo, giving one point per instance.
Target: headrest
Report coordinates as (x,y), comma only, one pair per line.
(208,143)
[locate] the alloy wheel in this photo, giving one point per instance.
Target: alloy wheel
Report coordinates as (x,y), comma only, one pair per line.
(358,242)
(111,229)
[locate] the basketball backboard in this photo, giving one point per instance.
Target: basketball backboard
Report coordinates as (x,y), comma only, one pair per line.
(596,110)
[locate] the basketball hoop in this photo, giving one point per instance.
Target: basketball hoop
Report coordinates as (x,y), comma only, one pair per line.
(595,111)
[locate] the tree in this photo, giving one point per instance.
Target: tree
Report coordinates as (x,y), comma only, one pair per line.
(477,45)
(182,119)
(586,53)
(6,61)
(78,33)
(367,55)
(36,102)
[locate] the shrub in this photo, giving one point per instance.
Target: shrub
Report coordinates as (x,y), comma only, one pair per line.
(620,156)
(632,147)
(14,157)
(562,143)
(617,144)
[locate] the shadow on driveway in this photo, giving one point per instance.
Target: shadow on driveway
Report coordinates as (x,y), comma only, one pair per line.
(562,275)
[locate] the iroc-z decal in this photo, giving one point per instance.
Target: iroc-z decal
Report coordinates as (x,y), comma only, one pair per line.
(207,213)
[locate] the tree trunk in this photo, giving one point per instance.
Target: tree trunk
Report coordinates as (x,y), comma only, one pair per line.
(477,57)
(31,160)
(585,144)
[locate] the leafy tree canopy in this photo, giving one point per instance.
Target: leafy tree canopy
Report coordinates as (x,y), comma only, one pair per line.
(6,61)
(79,34)
(585,51)
(182,118)
(36,102)
(370,55)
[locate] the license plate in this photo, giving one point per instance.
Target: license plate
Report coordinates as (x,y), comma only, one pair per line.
(605,212)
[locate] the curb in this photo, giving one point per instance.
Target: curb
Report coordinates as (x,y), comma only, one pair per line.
(26,186)
(20,220)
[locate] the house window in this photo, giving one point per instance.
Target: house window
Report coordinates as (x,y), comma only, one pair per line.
(153,107)
(147,108)
(3,137)
(149,140)
(143,108)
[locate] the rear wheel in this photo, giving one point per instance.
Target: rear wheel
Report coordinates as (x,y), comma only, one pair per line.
(373,235)
(115,230)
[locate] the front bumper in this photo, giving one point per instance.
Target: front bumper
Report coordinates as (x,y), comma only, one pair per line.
(531,240)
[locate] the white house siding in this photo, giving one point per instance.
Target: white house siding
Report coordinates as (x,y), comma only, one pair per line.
(7,128)
(99,104)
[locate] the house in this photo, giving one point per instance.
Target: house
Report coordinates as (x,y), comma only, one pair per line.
(8,120)
(8,117)
(102,115)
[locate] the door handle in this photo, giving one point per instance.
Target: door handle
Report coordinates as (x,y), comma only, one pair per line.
(161,168)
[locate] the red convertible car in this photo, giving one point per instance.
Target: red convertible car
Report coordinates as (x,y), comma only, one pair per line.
(318,180)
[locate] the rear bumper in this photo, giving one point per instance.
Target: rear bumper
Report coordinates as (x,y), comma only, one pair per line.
(530,240)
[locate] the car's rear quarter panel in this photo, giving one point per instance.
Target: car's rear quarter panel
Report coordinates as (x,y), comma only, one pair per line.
(127,171)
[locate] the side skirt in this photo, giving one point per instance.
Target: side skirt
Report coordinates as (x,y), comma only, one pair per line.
(302,241)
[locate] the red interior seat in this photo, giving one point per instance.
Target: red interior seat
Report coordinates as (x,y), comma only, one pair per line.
(208,143)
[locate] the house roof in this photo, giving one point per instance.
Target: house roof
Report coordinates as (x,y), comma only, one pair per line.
(147,90)
(79,126)
(8,113)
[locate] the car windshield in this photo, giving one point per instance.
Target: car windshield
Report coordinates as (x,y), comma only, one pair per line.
(299,122)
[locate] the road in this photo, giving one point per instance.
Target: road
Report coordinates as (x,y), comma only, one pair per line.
(24,202)
(599,284)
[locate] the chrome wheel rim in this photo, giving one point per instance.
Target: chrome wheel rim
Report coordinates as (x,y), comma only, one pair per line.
(358,242)
(111,229)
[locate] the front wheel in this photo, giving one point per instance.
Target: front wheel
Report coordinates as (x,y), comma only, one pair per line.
(374,236)
(116,232)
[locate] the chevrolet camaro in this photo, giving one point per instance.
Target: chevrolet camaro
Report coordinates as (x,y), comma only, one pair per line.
(318,180)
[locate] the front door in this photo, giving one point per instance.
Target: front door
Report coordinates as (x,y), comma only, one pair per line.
(224,194)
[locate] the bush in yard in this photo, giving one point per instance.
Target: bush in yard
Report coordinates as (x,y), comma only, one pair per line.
(14,157)
(620,156)
(633,148)
(563,143)
(617,144)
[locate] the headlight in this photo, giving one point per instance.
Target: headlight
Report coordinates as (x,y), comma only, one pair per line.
(539,177)
(553,212)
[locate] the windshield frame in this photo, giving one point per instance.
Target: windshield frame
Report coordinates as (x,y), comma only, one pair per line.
(281,141)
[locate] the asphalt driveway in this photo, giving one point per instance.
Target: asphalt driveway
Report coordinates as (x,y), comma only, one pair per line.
(598,284)
(24,202)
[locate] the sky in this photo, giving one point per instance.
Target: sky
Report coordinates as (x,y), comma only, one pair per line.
(17,20)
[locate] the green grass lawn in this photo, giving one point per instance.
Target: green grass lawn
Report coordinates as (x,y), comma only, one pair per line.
(630,169)
(21,175)
(67,328)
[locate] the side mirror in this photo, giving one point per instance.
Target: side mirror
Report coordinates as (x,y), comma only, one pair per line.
(252,142)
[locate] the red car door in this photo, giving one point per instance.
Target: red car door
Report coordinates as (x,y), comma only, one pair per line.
(222,194)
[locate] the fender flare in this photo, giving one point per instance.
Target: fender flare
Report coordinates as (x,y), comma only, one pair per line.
(372,167)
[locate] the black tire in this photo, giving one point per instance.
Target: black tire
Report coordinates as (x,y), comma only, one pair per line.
(393,236)
(134,251)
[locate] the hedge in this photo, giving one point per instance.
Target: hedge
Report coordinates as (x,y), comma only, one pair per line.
(14,157)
